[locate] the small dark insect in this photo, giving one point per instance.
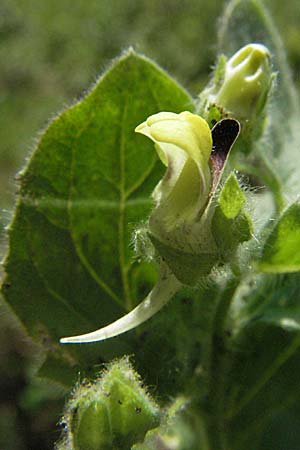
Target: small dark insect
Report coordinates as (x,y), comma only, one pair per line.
(62,425)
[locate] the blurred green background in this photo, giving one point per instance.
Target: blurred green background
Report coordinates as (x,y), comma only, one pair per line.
(51,51)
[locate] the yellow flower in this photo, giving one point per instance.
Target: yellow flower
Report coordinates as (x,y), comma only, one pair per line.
(184,143)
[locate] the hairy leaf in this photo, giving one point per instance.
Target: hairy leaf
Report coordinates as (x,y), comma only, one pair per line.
(231,225)
(281,251)
(70,266)
(263,360)
(231,199)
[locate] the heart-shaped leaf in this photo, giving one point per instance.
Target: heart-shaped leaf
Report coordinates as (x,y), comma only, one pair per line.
(70,267)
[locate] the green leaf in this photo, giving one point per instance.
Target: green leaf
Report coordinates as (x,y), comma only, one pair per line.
(281,250)
(58,367)
(183,326)
(283,431)
(262,382)
(231,225)
(70,266)
(232,198)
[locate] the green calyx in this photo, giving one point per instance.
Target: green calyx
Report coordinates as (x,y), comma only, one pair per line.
(113,412)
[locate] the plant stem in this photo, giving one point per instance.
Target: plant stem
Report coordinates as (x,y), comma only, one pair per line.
(217,369)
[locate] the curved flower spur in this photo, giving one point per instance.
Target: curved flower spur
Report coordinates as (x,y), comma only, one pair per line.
(194,156)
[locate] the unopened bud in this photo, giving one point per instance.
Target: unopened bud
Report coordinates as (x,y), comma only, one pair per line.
(245,82)
(113,412)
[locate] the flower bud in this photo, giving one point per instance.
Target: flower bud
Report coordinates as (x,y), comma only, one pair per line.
(243,82)
(113,412)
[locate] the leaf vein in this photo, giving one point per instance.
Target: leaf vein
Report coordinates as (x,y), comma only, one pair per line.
(124,273)
(80,254)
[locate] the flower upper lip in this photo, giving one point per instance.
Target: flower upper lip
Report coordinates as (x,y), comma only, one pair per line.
(183,143)
(185,130)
